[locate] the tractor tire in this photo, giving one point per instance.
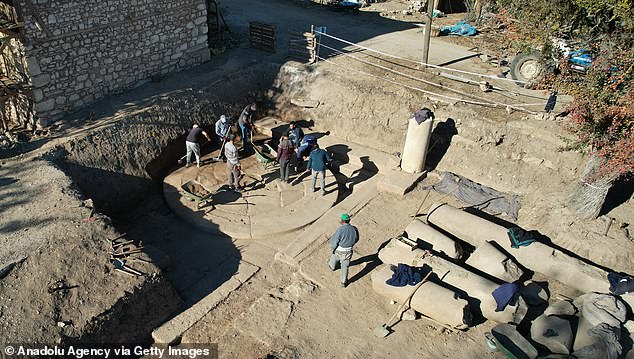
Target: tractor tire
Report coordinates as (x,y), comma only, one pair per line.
(528,68)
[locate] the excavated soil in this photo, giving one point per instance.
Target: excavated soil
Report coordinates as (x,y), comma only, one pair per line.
(117,159)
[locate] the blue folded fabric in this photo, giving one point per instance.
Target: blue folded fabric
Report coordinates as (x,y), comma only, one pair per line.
(504,295)
(404,275)
(620,284)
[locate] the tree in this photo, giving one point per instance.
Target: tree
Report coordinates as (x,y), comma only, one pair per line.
(601,114)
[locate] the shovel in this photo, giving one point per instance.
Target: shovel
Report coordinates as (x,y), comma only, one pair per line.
(384,330)
(224,140)
(296,180)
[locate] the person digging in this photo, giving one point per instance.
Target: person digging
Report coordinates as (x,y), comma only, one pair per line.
(192,143)
(341,244)
(233,164)
(223,128)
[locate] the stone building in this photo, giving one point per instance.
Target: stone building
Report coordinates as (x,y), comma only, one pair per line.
(79,51)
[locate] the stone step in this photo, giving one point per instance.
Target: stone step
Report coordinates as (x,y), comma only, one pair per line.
(171,331)
(313,235)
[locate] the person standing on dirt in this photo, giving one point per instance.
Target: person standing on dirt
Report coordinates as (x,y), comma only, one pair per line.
(233,165)
(317,161)
(245,122)
(223,125)
(341,244)
(284,154)
(192,143)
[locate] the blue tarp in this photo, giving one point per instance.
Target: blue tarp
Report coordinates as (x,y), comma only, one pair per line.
(461,28)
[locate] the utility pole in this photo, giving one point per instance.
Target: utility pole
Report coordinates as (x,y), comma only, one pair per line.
(427,31)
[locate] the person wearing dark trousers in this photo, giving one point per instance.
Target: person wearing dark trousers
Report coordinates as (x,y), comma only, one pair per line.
(233,165)
(341,244)
(192,143)
(317,161)
(245,122)
(295,134)
(284,154)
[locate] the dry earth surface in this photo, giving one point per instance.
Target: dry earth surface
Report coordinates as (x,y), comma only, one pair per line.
(117,152)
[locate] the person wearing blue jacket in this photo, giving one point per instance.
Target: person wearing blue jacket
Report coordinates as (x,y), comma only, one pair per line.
(317,161)
(295,134)
(341,244)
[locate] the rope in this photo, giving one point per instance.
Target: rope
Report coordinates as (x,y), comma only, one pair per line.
(446,69)
(410,87)
(489,103)
(513,106)
(403,74)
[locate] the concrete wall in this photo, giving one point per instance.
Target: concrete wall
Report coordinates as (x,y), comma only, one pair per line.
(83,50)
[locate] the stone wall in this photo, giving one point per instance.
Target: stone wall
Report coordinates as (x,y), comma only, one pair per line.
(79,51)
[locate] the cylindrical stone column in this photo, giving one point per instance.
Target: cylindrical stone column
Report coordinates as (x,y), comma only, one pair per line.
(438,241)
(416,144)
(538,257)
(432,300)
(478,288)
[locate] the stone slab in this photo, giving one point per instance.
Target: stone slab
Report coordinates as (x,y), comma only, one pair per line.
(400,182)
(552,332)
(328,223)
(171,331)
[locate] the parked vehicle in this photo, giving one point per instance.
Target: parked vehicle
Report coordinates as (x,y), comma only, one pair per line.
(530,67)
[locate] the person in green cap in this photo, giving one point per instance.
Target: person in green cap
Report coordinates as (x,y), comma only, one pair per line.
(341,244)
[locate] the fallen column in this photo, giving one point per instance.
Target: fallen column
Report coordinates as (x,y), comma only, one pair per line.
(432,300)
(478,288)
(438,241)
(491,260)
(537,256)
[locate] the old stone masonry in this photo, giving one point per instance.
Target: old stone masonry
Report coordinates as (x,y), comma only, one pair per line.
(79,51)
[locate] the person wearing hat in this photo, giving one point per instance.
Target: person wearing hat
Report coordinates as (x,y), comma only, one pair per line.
(284,154)
(245,122)
(192,143)
(233,164)
(341,244)
(223,125)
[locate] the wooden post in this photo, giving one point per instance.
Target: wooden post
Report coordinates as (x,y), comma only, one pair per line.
(427,32)
(477,10)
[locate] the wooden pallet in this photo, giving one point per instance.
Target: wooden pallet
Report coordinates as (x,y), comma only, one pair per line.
(262,36)
(301,46)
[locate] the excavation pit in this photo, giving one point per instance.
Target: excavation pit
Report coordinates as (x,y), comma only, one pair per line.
(268,206)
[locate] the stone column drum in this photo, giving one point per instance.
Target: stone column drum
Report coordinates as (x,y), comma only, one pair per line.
(416,145)
(538,257)
(439,242)
(432,300)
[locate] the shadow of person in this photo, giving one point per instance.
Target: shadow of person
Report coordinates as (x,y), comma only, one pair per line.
(372,261)
(368,170)
(339,155)
(440,142)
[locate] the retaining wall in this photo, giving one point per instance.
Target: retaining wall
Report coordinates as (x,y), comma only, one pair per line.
(79,51)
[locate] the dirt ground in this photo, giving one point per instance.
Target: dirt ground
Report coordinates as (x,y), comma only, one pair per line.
(117,151)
